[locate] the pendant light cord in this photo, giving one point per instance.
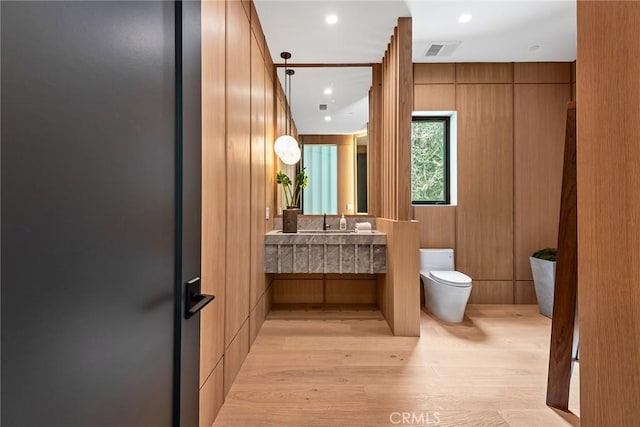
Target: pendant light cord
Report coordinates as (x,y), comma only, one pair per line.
(286,96)
(290,107)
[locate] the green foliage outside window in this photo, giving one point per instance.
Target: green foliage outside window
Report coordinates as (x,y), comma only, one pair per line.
(428,157)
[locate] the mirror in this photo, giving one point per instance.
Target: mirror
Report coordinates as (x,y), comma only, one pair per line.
(330,109)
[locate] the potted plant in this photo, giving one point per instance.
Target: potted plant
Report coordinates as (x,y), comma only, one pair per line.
(292,193)
(543,267)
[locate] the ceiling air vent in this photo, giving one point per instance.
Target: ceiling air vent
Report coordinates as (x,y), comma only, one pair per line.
(323,107)
(441,48)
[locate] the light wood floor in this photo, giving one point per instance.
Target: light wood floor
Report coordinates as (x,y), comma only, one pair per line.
(488,371)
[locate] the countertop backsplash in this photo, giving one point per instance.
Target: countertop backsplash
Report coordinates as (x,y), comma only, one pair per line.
(314,222)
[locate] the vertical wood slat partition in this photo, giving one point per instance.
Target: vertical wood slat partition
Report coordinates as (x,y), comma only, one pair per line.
(394,141)
(374,131)
(564,301)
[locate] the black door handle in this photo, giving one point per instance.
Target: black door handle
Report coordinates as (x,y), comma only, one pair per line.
(195,301)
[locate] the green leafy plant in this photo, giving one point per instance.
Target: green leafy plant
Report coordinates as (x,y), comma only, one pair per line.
(547,254)
(292,196)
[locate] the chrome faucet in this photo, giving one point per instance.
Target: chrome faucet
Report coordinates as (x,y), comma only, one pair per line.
(325,226)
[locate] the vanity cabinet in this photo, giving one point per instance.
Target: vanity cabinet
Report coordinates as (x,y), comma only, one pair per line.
(325,252)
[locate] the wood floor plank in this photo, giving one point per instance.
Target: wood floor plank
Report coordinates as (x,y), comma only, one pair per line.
(488,371)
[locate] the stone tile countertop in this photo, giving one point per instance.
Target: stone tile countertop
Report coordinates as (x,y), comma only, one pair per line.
(331,251)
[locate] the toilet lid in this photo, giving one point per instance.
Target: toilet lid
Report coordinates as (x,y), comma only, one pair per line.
(453,278)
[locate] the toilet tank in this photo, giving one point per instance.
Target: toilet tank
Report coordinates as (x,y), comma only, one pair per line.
(436,259)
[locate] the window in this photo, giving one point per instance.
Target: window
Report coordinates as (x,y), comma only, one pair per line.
(321,165)
(430,171)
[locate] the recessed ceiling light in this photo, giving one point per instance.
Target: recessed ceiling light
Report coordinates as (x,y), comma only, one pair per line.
(327,118)
(331,19)
(464,18)
(328,91)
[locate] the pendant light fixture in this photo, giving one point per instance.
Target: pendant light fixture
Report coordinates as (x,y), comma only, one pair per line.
(286,146)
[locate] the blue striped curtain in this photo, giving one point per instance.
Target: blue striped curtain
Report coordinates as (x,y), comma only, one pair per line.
(321,165)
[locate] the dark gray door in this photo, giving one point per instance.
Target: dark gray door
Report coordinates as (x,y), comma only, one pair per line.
(100,214)
(191,158)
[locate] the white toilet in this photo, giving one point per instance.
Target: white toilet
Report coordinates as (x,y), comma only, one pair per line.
(446,291)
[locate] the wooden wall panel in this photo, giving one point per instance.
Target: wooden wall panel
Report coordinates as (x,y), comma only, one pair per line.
(238,128)
(269,297)
(541,91)
(268,63)
(399,290)
(234,356)
(437,226)
(280,129)
(298,291)
(296,276)
(346,140)
(484,241)
(434,97)
(540,111)
(350,276)
(340,291)
(485,72)
(325,288)
(238,168)
(256,318)
(269,155)
(258,198)
(491,292)
(434,73)
(212,396)
(573,81)
(213,185)
(608,211)
(524,293)
(256,29)
(542,72)
(346,178)
(246,5)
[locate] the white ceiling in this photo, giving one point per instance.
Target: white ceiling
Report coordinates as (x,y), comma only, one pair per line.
(500,31)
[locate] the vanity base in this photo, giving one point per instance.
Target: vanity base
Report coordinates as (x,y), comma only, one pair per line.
(325,289)
(325,312)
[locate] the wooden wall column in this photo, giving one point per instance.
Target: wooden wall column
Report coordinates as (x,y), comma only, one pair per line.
(237,186)
(392,106)
(399,289)
(608,106)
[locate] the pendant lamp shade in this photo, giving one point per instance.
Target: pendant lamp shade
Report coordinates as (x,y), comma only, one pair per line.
(284,144)
(292,155)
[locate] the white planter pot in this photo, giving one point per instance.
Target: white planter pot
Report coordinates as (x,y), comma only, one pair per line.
(544,279)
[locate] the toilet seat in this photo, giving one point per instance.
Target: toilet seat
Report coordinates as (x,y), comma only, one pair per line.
(451,278)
